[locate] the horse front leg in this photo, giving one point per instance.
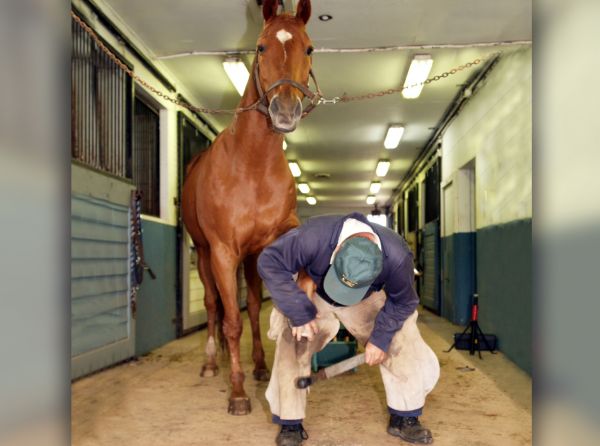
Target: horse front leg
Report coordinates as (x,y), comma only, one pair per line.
(261,372)
(224,267)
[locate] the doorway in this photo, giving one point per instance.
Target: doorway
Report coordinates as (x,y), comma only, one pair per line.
(458,244)
(191,312)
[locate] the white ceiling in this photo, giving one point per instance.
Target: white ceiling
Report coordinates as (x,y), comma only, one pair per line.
(344,140)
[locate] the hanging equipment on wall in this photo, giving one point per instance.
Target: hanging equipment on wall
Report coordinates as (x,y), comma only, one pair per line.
(137,264)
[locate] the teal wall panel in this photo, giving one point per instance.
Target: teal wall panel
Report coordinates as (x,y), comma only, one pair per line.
(458,276)
(156,298)
(505,287)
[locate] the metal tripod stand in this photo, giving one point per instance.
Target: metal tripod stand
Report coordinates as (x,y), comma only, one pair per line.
(476,336)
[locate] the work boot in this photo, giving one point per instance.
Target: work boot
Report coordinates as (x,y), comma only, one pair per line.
(409,429)
(291,435)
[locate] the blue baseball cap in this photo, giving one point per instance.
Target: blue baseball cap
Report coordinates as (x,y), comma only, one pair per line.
(355,266)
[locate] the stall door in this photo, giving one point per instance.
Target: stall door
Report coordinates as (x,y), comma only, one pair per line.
(190,295)
(102,324)
(448,228)
(430,296)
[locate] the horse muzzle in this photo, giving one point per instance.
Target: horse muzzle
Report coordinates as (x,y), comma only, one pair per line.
(285,114)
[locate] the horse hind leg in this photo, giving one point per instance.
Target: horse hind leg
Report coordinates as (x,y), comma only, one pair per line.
(224,267)
(209,368)
(261,372)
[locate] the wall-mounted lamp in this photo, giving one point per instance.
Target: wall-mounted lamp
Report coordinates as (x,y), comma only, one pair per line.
(393,136)
(418,71)
(237,72)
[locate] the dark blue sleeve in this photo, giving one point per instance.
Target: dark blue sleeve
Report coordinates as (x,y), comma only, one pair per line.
(401,302)
(277,264)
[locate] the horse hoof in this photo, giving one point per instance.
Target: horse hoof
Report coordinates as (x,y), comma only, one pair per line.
(209,370)
(262,374)
(239,406)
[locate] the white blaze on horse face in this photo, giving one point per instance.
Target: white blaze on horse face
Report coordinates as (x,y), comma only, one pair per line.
(283,36)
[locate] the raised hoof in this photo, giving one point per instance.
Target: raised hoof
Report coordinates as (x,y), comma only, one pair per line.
(239,406)
(262,374)
(209,370)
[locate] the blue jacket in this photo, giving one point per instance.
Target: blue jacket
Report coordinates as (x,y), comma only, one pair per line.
(310,247)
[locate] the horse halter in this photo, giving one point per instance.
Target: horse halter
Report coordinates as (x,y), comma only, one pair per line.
(262,105)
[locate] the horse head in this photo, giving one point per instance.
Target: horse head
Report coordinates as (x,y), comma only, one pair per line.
(283,61)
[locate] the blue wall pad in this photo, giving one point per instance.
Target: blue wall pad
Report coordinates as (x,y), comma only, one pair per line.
(458,276)
(505,287)
(156,298)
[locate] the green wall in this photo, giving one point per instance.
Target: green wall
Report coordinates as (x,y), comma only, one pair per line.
(458,276)
(504,281)
(156,298)
(504,284)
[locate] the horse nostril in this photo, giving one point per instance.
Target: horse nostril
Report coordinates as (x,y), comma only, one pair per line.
(298,109)
(274,107)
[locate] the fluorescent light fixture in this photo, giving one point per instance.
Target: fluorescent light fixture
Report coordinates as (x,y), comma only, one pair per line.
(417,74)
(304,188)
(237,73)
(375,187)
(295,168)
(311,200)
(382,168)
(393,136)
(284,145)
(370,199)
(380,219)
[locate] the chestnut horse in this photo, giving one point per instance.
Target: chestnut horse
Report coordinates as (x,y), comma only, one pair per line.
(239,195)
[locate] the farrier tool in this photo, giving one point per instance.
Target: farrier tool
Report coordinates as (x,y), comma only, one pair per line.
(329,372)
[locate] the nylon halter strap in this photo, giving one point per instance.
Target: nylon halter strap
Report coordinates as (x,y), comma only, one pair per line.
(262,104)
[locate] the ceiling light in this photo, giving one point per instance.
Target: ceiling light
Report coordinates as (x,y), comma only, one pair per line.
(393,136)
(417,74)
(295,168)
(311,200)
(382,168)
(325,17)
(371,199)
(284,145)
(237,73)
(304,188)
(375,187)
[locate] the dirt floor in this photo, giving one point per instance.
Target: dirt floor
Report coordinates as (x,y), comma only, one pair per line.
(160,399)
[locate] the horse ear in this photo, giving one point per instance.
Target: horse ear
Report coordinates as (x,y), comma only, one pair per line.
(270,9)
(303,10)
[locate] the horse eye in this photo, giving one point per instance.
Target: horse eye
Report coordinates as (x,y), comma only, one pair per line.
(261,48)
(309,50)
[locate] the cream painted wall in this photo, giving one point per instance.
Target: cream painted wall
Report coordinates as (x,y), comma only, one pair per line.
(495,128)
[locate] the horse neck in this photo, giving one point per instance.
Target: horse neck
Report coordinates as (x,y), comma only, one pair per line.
(258,136)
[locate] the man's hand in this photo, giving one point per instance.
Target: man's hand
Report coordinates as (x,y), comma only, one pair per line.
(374,355)
(308,330)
